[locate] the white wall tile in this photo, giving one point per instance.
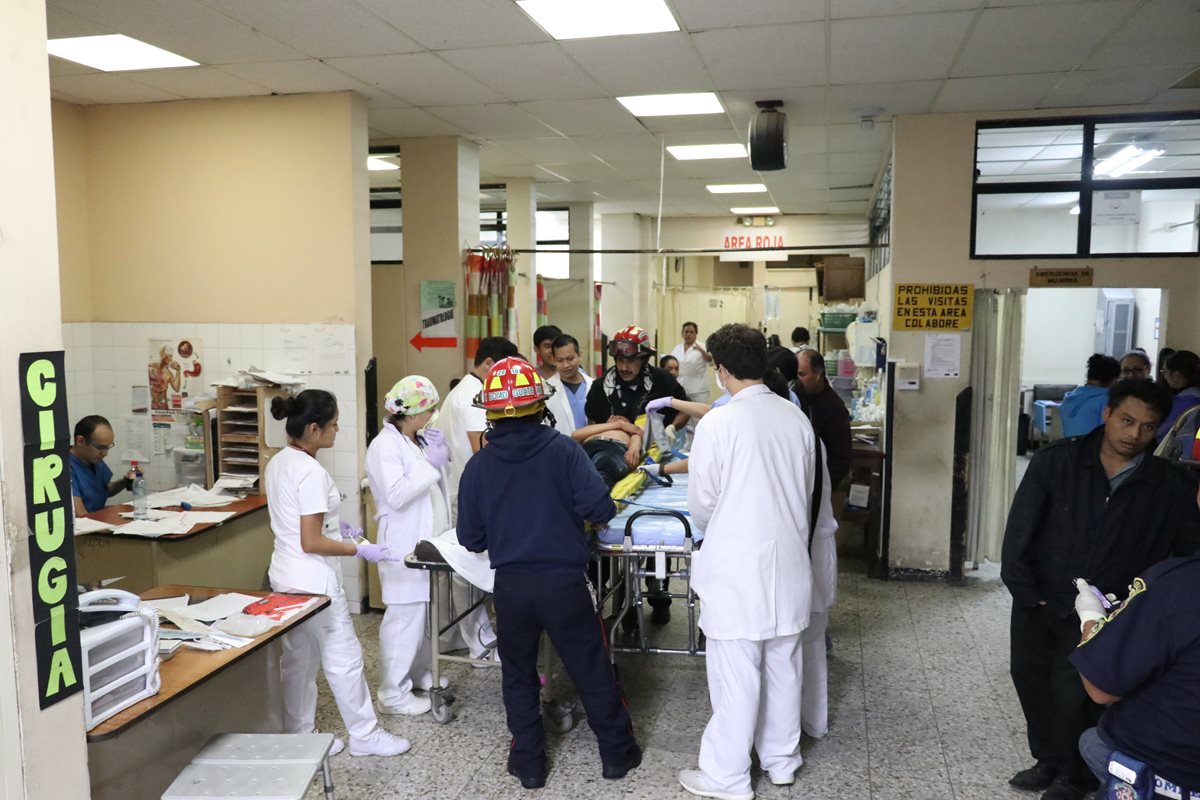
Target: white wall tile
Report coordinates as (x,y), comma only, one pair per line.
(83,334)
(252,335)
(101,334)
(122,334)
(162,330)
(230,335)
(68,335)
(102,358)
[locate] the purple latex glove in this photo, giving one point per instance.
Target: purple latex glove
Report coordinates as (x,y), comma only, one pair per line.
(659,404)
(375,553)
(350,532)
(432,435)
(437,453)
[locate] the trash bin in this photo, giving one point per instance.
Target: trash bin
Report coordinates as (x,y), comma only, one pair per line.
(189,467)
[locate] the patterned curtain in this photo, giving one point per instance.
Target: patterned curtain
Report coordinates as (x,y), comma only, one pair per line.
(491,296)
(543,315)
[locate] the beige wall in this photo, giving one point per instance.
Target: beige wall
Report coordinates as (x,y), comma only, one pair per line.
(389,326)
(931,224)
(217,210)
(70,193)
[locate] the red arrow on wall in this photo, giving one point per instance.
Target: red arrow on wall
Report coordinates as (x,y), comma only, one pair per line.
(420,342)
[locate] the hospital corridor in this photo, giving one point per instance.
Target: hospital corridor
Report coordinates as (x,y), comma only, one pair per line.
(920,706)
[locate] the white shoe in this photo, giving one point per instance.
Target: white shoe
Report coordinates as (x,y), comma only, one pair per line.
(339,744)
(698,783)
(781,778)
(410,706)
(426,682)
(379,743)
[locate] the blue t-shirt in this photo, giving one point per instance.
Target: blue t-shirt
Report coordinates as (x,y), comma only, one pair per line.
(577,399)
(1148,654)
(90,482)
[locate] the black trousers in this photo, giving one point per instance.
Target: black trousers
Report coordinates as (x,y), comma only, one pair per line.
(1056,706)
(560,605)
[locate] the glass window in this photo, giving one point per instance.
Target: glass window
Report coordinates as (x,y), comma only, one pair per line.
(1149,221)
(553,231)
(387,234)
(1037,223)
(1020,154)
(1159,149)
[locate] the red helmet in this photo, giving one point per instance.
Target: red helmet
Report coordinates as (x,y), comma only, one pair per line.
(512,383)
(629,342)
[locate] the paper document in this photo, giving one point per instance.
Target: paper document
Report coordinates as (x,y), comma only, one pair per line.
(151,514)
(267,376)
(193,518)
(84,525)
(197,496)
(168,602)
(229,480)
(150,527)
(183,623)
(218,607)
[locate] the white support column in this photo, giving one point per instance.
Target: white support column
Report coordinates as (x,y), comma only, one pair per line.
(43,752)
(521,204)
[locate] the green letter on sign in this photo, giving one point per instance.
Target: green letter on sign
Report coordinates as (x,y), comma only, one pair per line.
(52,588)
(39,382)
(62,672)
(45,472)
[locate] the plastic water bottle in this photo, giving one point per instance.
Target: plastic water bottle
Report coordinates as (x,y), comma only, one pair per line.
(140,507)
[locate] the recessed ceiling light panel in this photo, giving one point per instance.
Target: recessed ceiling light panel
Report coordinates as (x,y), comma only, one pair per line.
(693,152)
(115,53)
(752,210)
(672,105)
(589,19)
(736,188)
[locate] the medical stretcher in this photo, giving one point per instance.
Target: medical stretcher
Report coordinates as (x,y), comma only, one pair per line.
(650,537)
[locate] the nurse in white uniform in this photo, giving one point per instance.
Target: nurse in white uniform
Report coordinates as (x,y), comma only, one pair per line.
(693,372)
(404,470)
(302,501)
(751,475)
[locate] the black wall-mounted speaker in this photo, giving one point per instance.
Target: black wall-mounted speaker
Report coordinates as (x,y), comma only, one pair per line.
(768,138)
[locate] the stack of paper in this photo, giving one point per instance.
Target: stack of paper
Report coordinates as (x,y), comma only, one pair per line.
(85,525)
(197,496)
(233,481)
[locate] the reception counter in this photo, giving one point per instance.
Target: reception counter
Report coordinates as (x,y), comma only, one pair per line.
(232,553)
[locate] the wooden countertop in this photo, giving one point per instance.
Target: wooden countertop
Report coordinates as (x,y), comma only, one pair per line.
(240,508)
(189,668)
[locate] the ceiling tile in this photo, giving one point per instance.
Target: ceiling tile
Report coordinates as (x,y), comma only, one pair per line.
(908,48)
(583,117)
(802,105)
(185,27)
(196,82)
(910,97)
(302,77)
(62,24)
(806,140)
(546,150)
(688,122)
(1044,38)
(854,137)
(422,79)
(60,66)
(493,120)
(698,15)
(654,63)
(860,162)
(1113,87)
(621,147)
(528,72)
(595,172)
(408,123)
(511,171)
(997,93)
(452,24)
(492,155)
(107,87)
(792,181)
(842,9)
(1161,32)
(69,98)
(855,208)
(318,28)
(743,58)
(1177,97)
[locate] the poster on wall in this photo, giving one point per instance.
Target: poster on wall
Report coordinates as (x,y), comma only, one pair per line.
(1117,208)
(174,372)
(437,316)
(943,355)
(46,436)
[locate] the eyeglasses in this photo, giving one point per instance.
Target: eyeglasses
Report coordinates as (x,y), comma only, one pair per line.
(102,447)
(1135,372)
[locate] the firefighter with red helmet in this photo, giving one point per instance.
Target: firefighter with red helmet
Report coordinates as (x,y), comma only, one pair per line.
(629,384)
(541,555)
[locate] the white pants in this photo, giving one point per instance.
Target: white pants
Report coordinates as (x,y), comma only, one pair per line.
(754,687)
(474,630)
(404,650)
(326,641)
(814,691)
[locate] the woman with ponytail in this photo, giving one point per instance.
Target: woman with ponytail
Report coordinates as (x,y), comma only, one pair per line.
(302,500)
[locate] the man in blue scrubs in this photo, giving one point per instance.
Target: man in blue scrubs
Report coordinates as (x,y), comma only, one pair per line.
(91,480)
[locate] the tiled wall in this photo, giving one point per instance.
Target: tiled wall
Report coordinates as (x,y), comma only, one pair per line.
(105,359)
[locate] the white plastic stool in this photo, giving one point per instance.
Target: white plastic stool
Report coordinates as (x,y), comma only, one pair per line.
(241,766)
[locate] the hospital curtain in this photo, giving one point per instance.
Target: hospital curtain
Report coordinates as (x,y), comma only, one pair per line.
(491,274)
(597,354)
(708,308)
(543,312)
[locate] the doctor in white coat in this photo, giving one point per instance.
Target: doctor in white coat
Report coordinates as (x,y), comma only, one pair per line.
(571,385)
(814,691)
(751,478)
(405,471)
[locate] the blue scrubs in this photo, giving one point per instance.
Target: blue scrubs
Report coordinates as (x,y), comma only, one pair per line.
(90,482)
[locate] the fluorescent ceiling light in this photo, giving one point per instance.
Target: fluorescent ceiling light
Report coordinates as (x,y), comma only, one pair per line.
(1074,212)
(587,19)
(377,164)
(671,105)
(115,53)
(736,188)
(1141,159)
(755,210)
(1116,161)
(693,152)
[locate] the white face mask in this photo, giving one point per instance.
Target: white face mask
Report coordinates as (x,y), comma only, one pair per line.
(720,382)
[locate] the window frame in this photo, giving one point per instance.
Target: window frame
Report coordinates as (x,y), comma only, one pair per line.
(1085,185)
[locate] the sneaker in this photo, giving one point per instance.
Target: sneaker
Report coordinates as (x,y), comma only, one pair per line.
(339,744)
(529,781)
(426,682)
(700,784)
(410,706)
(379,743)
(615,770)
(782,778)
(1035,779)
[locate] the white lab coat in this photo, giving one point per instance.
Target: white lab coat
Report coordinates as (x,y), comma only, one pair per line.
(750,481)
(814,695)
(457,417)
(560,403)
(693,372)
(407,489)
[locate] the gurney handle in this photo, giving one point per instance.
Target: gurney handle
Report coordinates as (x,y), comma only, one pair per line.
(657,512)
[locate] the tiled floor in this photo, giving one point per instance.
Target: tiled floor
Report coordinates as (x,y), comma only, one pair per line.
(920,700)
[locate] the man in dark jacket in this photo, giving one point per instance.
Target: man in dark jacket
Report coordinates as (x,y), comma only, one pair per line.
(540,554)
(830,418)
(1099,507)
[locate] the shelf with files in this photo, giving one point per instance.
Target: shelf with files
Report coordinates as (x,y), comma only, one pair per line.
(243,417)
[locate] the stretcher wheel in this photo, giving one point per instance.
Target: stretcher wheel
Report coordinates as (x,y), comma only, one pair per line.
(440,708)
